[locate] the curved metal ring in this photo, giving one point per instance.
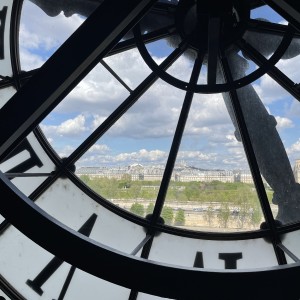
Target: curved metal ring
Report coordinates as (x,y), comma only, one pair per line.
(139,274)
(216,88)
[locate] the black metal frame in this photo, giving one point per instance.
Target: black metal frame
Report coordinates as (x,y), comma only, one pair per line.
(158,278)
(161,279)
(288,9)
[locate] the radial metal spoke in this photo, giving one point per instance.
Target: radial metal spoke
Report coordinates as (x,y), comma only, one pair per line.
(141,244)
(273,71)
(250,154)
(13,175)
(121,110)
(289,253)
(113,73)
(176,142)
(145,254)
(146,38)
(214,32)
(268,28)
(67,67)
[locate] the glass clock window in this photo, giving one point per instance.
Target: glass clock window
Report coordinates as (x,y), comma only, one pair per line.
(147,147)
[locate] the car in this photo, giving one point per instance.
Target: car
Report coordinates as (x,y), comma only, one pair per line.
(198,209)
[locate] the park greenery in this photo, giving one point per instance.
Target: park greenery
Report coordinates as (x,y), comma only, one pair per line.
(235,201)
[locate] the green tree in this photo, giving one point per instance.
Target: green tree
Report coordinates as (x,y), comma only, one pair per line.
(167,214)
(86,179)
(137,209)
(209,214)
(150,208)
(179,218)
(192,191)
(224,215)
(125,181)
(256,216)
(243,216)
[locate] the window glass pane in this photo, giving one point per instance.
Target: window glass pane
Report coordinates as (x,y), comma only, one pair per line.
(264,12)
(212,187)
(276,142)
(290,60)
(129,170)
(130,66)
(82,111)
(271,126)
(40,39)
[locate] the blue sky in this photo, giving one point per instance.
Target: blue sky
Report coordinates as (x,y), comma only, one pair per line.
(144,134)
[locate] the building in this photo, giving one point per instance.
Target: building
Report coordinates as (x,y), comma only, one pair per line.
(155,173)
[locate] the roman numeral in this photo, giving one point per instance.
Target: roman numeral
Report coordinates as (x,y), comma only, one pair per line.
(198,263)
(230,259)
(27,164)
(55,263)
(3,14)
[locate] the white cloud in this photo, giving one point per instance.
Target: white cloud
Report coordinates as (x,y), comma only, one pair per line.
(196,155)
(65,151)
(129,66)
(29,60)
(98,149)
(70,127)
(98,120)
(268,89)
(41,35)
(283,122)
(142,155)
(294,148)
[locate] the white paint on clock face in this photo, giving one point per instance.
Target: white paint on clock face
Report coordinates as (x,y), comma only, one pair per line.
(256,253)
(71,206)
(6,94)
(143,296)
(21,256)
(5,61)
(291,241)
(39,162)
(4,295)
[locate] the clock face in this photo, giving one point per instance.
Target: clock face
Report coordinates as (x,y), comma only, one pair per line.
(138,162)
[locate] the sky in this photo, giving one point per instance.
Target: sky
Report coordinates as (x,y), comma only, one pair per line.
(144,134)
